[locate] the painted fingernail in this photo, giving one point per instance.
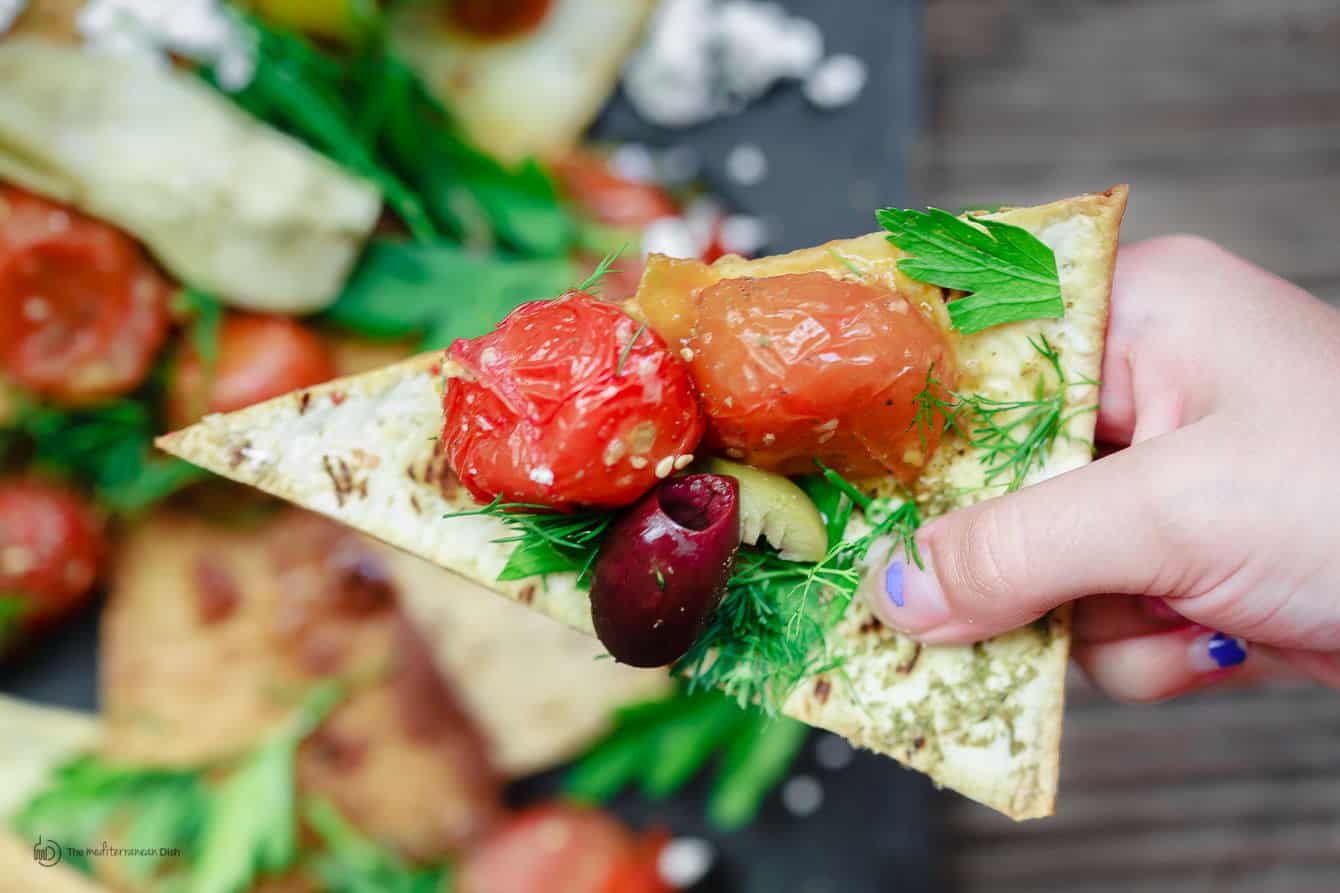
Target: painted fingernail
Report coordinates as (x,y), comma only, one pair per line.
(893,582)
(1216,651)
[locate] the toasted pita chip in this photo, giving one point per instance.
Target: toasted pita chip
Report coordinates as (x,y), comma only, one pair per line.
(984,720)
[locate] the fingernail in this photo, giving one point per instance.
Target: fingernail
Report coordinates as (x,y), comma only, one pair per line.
(1216,651)
(907,597)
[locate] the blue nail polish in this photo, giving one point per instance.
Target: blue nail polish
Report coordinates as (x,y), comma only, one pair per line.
(893,582)
(1226,651)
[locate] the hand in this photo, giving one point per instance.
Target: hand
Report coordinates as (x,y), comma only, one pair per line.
(1221,511)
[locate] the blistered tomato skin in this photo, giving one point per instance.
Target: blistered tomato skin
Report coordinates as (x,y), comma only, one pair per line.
(803,366)
(568,403)
(663,569)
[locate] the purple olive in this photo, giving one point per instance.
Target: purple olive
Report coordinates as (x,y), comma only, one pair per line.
(663,568)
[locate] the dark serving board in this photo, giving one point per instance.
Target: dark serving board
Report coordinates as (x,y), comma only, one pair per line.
(828,171)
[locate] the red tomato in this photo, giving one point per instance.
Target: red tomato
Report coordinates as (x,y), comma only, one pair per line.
(586,178)
(568,403)
(803,366)
(259,357)
(499,19)
(51,544)
(82,311)
(560,849)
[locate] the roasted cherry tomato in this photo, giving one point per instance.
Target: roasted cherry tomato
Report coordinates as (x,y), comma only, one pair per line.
(561,849)
(51,545)
(259,357)
(803,366)
(613,200)
(499,19)
(568,403)
(82,310)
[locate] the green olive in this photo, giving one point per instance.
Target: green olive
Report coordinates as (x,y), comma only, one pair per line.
(773,508)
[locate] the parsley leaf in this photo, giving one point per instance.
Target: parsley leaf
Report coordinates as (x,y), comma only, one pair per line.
(162,808)
(110,447)
(661,745)
(1011,274)
(351,863)
(439,291)
(251,827)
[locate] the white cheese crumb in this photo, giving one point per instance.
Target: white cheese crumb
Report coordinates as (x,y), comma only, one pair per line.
(837,82)
(803,795)
(203,31)
(9,12)
(665,466)
(746,165)
(706,58)
(685,861)
(542,476)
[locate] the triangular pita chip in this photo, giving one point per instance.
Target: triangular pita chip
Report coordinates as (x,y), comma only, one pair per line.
(983,720)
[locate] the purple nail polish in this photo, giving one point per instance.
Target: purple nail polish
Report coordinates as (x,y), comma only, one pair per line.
(1217,651)
(893,582)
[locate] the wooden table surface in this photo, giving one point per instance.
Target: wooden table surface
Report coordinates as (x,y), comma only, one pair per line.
(1224,115)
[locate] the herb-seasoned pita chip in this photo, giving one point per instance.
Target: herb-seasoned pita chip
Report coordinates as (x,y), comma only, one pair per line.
(984,720)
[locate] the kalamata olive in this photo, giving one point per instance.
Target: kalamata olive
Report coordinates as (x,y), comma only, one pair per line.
(663,568)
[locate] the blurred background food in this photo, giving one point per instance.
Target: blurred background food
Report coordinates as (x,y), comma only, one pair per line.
(204,205)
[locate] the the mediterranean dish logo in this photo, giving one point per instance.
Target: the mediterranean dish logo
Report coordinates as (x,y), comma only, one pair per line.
(48,852)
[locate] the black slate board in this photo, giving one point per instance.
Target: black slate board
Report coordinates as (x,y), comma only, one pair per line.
(828,172)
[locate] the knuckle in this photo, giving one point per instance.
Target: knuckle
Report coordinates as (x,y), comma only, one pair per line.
(986,564)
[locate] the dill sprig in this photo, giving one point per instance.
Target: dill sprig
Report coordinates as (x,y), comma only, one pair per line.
(591,284)
(1013,436)
(628,348)
(547,541)
(772,629)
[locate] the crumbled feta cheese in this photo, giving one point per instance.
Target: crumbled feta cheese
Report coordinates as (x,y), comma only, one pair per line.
(706,58)
(542,476)
(837,82)
(746,164)
(203,31)
(685,861)
(9,12)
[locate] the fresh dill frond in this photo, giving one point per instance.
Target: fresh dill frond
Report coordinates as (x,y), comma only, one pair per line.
(1013,436)
(772,629)
(606,266)
(547,541)
(628,348)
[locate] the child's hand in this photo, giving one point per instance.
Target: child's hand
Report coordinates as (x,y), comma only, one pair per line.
(1222,382)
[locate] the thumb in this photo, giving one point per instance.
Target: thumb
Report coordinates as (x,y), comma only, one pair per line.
(1004,562)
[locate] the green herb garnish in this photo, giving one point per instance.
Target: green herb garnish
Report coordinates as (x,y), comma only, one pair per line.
(251,826)
(628,348)
(110,448)
(772,628)
(548,542)
(606,266)
(351,863)
(1013,436)
(1009,272)
(661,745)
(845,261)
(161,809)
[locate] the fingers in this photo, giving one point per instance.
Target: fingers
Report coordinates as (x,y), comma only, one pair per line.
(1163,665)
(1003,563)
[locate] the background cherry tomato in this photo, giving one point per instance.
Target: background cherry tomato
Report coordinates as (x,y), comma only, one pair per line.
(259,357)
(586,178)
(568,403)
(51,546)
(804,366)
(561,849)
(82,310)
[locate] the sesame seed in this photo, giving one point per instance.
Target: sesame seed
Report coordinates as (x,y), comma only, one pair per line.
(683,462)
(665,466)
